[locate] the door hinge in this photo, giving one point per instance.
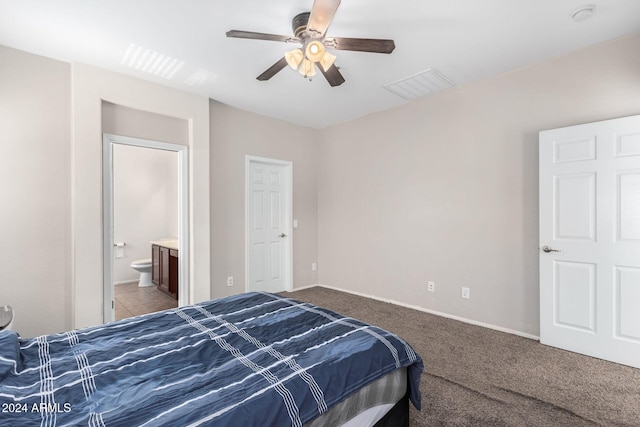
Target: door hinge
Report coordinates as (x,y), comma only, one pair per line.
(113,304)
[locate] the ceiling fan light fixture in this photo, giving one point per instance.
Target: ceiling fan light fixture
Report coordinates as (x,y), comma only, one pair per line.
(327,61)
(294,58)
(315,51)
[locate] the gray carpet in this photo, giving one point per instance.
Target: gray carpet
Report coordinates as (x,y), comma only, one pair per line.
(480,377)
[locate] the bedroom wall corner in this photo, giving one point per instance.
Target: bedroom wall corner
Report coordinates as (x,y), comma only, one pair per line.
(445,188)
(234,134)
(35,191)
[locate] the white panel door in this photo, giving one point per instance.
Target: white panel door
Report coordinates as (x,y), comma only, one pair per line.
(268,225)
(590,239)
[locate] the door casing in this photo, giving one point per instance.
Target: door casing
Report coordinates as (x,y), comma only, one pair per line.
(108,140)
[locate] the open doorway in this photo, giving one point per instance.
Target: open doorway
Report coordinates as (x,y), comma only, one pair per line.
(145,208)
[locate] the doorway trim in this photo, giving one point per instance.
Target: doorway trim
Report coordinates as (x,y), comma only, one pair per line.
(287,212)
(108,141)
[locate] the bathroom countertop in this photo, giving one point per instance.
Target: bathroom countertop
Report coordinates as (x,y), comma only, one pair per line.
(169,243)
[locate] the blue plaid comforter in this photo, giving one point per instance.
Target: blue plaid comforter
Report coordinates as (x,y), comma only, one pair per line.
(253,359)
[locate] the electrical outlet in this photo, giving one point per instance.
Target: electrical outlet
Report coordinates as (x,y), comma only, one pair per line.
(230,281)
(466,293)
(314,266)
(431,286)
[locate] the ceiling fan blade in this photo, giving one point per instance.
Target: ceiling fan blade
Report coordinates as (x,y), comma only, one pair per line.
(333,75)
(360,45)
(273,70)
(321,16)
(262,36)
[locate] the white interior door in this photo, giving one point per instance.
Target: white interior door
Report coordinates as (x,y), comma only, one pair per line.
(268,223)
(590,239)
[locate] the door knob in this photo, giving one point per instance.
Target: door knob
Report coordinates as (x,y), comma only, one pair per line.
(547,249)
(283,235)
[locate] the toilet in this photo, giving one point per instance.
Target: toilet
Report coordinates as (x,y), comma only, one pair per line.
(144,267)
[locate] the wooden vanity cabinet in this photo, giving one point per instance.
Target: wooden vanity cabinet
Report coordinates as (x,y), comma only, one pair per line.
(164,272)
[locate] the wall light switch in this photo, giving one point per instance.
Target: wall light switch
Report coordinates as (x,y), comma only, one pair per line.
(295,223)
(314,266)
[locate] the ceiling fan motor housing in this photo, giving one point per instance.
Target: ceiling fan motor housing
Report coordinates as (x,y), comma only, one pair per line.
(299,24)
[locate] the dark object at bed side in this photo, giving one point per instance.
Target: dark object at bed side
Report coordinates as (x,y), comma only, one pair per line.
(398,416)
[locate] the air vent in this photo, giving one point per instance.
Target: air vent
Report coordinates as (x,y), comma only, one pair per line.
(421,84)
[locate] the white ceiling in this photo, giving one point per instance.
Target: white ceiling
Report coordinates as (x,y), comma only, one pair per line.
(465,40)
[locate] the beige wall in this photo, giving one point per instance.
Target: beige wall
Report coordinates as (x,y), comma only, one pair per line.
(120,120)
(446,187)
(235,134)
(35,191)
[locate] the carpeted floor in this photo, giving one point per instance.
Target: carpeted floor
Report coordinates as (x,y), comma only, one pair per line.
(480,377)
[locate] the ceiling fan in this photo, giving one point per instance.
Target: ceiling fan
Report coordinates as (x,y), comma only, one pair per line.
(309,29)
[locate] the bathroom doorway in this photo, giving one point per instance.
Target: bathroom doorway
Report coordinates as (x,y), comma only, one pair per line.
(145,200)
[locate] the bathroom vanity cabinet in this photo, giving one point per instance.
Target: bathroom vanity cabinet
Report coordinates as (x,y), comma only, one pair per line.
(164,273)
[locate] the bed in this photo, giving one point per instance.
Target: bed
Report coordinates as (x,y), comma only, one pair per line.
(253,359)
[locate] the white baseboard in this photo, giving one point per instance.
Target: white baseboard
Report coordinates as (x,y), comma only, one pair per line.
(125,282)
(313,286)
(426,310)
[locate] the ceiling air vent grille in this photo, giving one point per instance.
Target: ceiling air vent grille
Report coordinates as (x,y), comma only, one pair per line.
(421,84)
